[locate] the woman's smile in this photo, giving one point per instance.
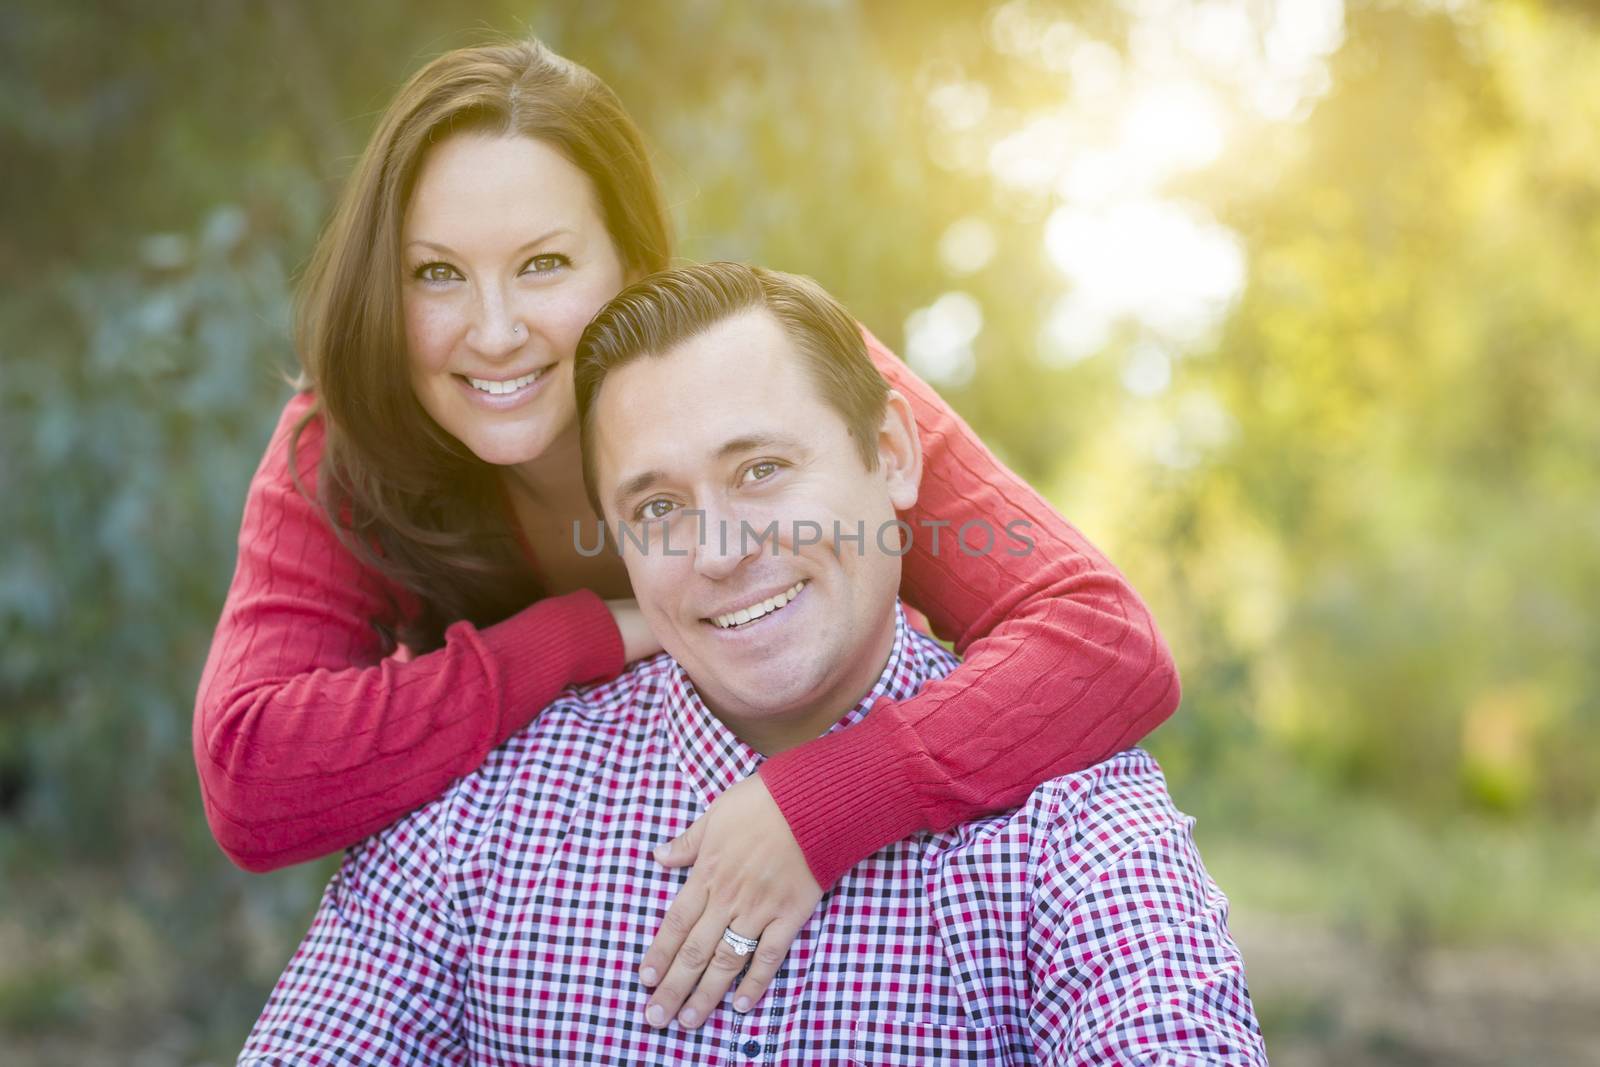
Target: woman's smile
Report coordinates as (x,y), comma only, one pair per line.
(506,394)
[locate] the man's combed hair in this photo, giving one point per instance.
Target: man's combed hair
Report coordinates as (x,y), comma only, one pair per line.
(660,312)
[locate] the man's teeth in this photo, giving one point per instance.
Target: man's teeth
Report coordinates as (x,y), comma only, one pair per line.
(500,388)
(756,611)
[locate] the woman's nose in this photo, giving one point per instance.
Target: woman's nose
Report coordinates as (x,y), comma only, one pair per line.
(497,330)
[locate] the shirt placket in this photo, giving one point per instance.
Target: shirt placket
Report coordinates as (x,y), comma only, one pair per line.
(761,1032)
(755,1032)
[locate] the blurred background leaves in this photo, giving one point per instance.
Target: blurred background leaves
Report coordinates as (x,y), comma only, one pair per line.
(1289,304)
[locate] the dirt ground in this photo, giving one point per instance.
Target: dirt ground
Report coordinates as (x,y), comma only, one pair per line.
(1323,998)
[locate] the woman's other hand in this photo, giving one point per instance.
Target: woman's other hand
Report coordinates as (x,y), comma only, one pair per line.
(749,876)
(638,640)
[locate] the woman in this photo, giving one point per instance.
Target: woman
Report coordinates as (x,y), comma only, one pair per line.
(409,592)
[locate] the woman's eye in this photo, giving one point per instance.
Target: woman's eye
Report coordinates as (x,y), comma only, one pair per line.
(656,509)
(436,272)
(544,264)
(758,472)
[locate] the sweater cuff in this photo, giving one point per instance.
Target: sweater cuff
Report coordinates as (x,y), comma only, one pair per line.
(845,795)
(553,643)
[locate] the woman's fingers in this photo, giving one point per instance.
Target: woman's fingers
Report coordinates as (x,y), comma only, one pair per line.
(776,941)
(726,963)
(683,850)
(680,921)
(697,953)
(748,871)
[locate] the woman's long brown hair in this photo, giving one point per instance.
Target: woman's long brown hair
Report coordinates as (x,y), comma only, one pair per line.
(404,495)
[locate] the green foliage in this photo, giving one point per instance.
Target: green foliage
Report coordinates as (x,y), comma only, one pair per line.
(1363,507)
(1411,373)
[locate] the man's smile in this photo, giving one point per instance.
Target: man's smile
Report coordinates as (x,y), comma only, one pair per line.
(757,608)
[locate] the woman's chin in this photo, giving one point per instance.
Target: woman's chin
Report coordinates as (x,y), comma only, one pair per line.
(508,450)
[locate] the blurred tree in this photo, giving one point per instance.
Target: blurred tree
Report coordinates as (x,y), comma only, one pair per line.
(1363,508)
(1411,376)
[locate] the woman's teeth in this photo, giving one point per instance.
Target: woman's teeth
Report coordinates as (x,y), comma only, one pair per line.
(483,385)
(756,611)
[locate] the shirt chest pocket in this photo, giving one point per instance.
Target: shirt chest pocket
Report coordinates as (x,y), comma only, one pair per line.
(912,1041)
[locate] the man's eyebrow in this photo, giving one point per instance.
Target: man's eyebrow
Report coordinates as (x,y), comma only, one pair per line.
(637,484)
(751,442)
(755,441)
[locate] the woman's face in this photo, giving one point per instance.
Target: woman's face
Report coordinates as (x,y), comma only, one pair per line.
(506,259)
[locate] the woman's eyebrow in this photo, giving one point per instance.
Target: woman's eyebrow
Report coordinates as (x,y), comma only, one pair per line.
(448,251)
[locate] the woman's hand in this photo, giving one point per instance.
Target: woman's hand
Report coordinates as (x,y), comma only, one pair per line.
(749,876)
(638,640)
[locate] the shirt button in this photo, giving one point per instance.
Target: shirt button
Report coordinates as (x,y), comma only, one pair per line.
(752,1048)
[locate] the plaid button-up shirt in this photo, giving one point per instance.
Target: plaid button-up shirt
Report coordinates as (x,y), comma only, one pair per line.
(505,923)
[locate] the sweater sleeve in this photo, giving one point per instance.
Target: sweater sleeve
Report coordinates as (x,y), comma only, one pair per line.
(306,738)
(1063,665)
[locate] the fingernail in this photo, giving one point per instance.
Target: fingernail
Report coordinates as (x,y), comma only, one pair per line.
(657,1015)
(741,1004)
(661,853)
(688,1016)
(649,975)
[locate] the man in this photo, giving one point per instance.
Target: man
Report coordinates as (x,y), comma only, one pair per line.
(734,426)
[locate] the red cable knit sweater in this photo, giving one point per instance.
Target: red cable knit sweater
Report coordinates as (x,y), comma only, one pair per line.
(307,741)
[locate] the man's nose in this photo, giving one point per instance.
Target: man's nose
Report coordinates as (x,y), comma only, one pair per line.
(727,538)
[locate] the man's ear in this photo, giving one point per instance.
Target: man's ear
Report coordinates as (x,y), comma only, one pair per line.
(900,452)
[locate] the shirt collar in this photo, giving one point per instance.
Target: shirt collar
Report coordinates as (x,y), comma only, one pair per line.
(714,758)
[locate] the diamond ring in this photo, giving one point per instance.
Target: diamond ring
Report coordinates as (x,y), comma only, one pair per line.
(741,945)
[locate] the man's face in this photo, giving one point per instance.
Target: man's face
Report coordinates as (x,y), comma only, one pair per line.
(729,423)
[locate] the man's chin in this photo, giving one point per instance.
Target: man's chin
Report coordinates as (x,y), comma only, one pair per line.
(765,702)
(766,697)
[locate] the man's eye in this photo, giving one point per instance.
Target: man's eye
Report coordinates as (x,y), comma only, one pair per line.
(656,509)
(758,472)
(436,272)
(544,264)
